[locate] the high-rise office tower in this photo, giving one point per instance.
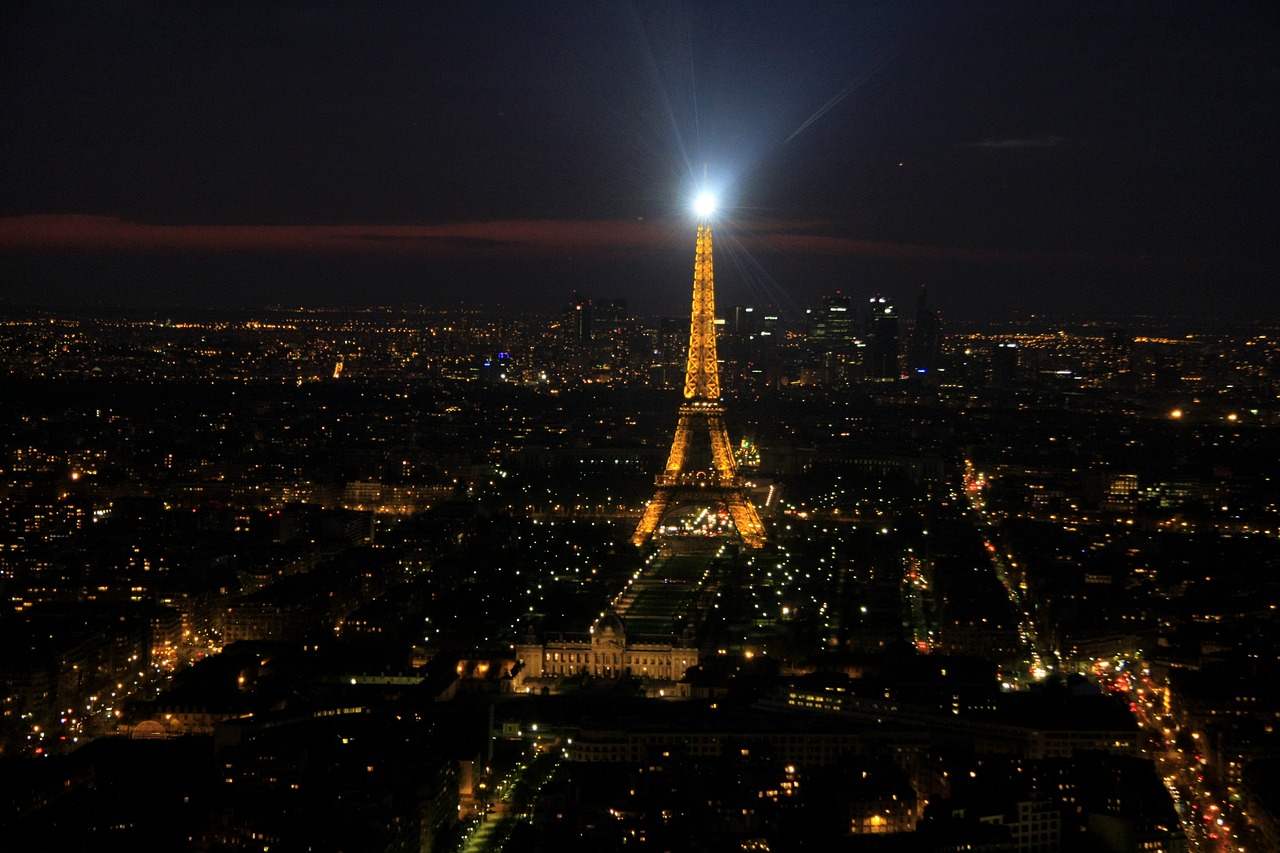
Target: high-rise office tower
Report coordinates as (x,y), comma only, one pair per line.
(1004,364)
(831,332)
(576,322)
(832,326)
(882,340)
(924,347)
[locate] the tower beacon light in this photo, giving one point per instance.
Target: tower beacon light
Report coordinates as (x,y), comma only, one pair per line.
(704,205)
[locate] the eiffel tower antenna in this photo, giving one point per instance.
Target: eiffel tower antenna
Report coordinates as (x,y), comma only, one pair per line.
(677,485)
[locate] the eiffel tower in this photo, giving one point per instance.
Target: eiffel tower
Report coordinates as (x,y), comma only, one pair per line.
(678,485)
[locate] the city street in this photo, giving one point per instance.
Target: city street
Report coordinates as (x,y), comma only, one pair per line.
(512,800)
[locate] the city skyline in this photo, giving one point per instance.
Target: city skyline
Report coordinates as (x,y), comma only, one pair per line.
(1014,161)
(369,483)
(330,562)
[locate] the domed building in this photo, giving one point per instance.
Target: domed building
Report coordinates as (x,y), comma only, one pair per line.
(606,652)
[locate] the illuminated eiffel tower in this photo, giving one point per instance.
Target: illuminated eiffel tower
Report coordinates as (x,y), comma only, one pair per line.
(678,485)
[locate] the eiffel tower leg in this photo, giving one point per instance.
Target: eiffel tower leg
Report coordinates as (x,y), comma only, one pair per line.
(679,446)
(649,521)
(746,519)
(721,450)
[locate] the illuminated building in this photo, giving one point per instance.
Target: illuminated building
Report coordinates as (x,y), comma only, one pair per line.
(702,413)
(831,326)
(607,652)
(576,322)
(832,338)
(882,344)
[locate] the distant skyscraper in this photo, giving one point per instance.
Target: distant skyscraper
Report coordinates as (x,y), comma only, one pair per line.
(609,345)
(746,320)
(831,331)
(608,315)
(882,340)
(598,340)
(1004,364)
(576,322)
(831,325)
(753,339)
(924,349)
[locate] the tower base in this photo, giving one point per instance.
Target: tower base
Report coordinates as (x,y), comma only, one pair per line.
(733,497)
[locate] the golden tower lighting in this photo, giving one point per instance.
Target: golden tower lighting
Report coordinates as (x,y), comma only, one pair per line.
(680,483)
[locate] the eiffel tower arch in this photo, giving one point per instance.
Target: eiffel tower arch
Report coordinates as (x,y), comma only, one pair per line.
(682,482)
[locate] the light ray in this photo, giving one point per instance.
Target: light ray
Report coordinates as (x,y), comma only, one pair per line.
(853,85)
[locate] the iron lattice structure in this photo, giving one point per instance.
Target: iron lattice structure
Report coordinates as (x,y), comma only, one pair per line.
(678,485)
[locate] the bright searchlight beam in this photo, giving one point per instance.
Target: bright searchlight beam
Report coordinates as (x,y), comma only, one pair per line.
(704,205)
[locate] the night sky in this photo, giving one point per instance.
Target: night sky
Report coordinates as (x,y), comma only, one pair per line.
(1094,159)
